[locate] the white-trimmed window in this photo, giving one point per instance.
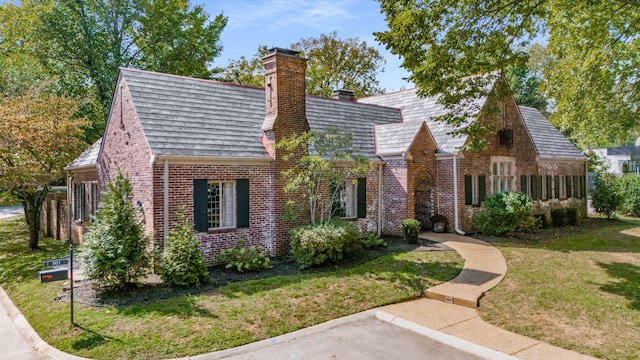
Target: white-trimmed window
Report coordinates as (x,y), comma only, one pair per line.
(94,194)
(349,199)
(503,169)
(77,200)
(220,204)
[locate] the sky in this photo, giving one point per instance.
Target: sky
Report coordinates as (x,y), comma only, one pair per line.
(279,23)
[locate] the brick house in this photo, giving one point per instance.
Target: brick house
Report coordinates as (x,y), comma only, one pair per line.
(208,147)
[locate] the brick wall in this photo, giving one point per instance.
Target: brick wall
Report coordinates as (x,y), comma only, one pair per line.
(394,195)
(125,149)
(261,230)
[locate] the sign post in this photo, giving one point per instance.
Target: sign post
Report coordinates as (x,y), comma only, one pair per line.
(71,278)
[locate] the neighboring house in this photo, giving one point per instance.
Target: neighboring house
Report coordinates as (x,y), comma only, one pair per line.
(621,159)
(208,147)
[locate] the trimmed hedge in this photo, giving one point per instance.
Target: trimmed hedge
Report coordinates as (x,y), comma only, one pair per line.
(504,213)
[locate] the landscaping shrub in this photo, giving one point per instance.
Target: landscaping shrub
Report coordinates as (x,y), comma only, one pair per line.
(504,213)
(629,191)
(183,263)
(316,244)
(372,240)
(242,258)
(115,249)
(571,216)
(411,230)
(558,216)
(605,198)
(542,221)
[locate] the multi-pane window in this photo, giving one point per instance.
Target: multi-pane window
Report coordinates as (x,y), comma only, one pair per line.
(502,174)
(474,189)
(349,199)
(562,189)
(220,204)
(78,201)
(94,193)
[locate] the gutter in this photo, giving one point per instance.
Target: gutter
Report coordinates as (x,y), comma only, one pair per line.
(165,205)
(455,195)
(380,190)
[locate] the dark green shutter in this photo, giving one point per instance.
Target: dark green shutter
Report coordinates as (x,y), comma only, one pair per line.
(523,184)
(540,186)
(242,203)
(575,186)
(556,180)
(482,188)
(362,198)
(567,180)
(534,187)
(583,186)
(468,190)
(549,188)
(200,197)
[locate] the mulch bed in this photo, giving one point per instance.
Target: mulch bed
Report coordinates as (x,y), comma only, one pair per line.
(152,288)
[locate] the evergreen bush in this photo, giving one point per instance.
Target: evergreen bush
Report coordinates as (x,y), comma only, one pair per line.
(182,263)
(316,244)
(558,217)
(629,191)
(571,216)
(115,249)
(242,258)
(605,198)
(372,240)
(411,230)
(505,213)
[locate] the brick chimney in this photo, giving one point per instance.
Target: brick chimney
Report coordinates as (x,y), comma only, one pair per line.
(285,97)
(285,115)
(345,95)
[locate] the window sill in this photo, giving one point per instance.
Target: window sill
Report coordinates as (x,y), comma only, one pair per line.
(349,218)
(221,230)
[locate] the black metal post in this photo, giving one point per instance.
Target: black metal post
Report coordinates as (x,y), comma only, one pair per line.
(71,277)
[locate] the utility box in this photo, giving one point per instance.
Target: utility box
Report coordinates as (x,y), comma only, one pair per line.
(53,275)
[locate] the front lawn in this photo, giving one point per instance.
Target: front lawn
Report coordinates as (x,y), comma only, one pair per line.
(211,318)
(579,291)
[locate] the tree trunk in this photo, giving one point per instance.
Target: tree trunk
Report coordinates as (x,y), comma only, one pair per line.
(32,205)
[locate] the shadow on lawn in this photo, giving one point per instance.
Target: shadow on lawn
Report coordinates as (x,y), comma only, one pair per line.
(628,284)
(90,339)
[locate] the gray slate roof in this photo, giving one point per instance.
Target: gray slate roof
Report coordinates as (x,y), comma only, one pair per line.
(548,140)
(88,158)
(394,139)
(415,108)
(191,117)
(623,150)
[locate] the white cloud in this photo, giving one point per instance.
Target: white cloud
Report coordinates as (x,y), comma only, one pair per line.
(275,15)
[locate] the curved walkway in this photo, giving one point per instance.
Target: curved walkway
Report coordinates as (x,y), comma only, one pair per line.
(450,307)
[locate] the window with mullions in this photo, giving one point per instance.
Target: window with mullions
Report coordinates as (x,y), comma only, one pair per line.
(220,204)
(352,201)
(502,174)
(78,201)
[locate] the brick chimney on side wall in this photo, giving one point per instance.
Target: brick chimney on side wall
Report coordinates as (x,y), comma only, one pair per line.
(285,115)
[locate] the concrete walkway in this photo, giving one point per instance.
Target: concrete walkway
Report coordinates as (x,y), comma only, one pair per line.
(450,308)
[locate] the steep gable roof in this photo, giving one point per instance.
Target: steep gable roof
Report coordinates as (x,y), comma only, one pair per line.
(88,158)
(427,109)
(395,139)
(548,140)
(182,116)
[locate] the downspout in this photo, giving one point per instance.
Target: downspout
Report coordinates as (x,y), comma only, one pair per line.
(165,205)
(380,190)
(455,195)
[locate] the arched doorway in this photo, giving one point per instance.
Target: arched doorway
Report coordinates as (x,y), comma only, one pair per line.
(423,193)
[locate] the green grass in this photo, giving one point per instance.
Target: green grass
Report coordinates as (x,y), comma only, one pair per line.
(580,292)
(219,318)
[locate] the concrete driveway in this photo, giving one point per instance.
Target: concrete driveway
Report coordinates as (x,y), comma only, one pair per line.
(10,211)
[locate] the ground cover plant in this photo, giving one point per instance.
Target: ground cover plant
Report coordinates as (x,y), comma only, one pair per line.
(574,287)
(231,310)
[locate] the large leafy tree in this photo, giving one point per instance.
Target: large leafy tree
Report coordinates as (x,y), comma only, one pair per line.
(594,45)
(332,63)
(38,137)
(83,42)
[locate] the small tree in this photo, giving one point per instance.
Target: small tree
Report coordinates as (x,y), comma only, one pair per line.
(605,198)
(182,262)
(318,174)
(39,136)
(115,250)
(628,187)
